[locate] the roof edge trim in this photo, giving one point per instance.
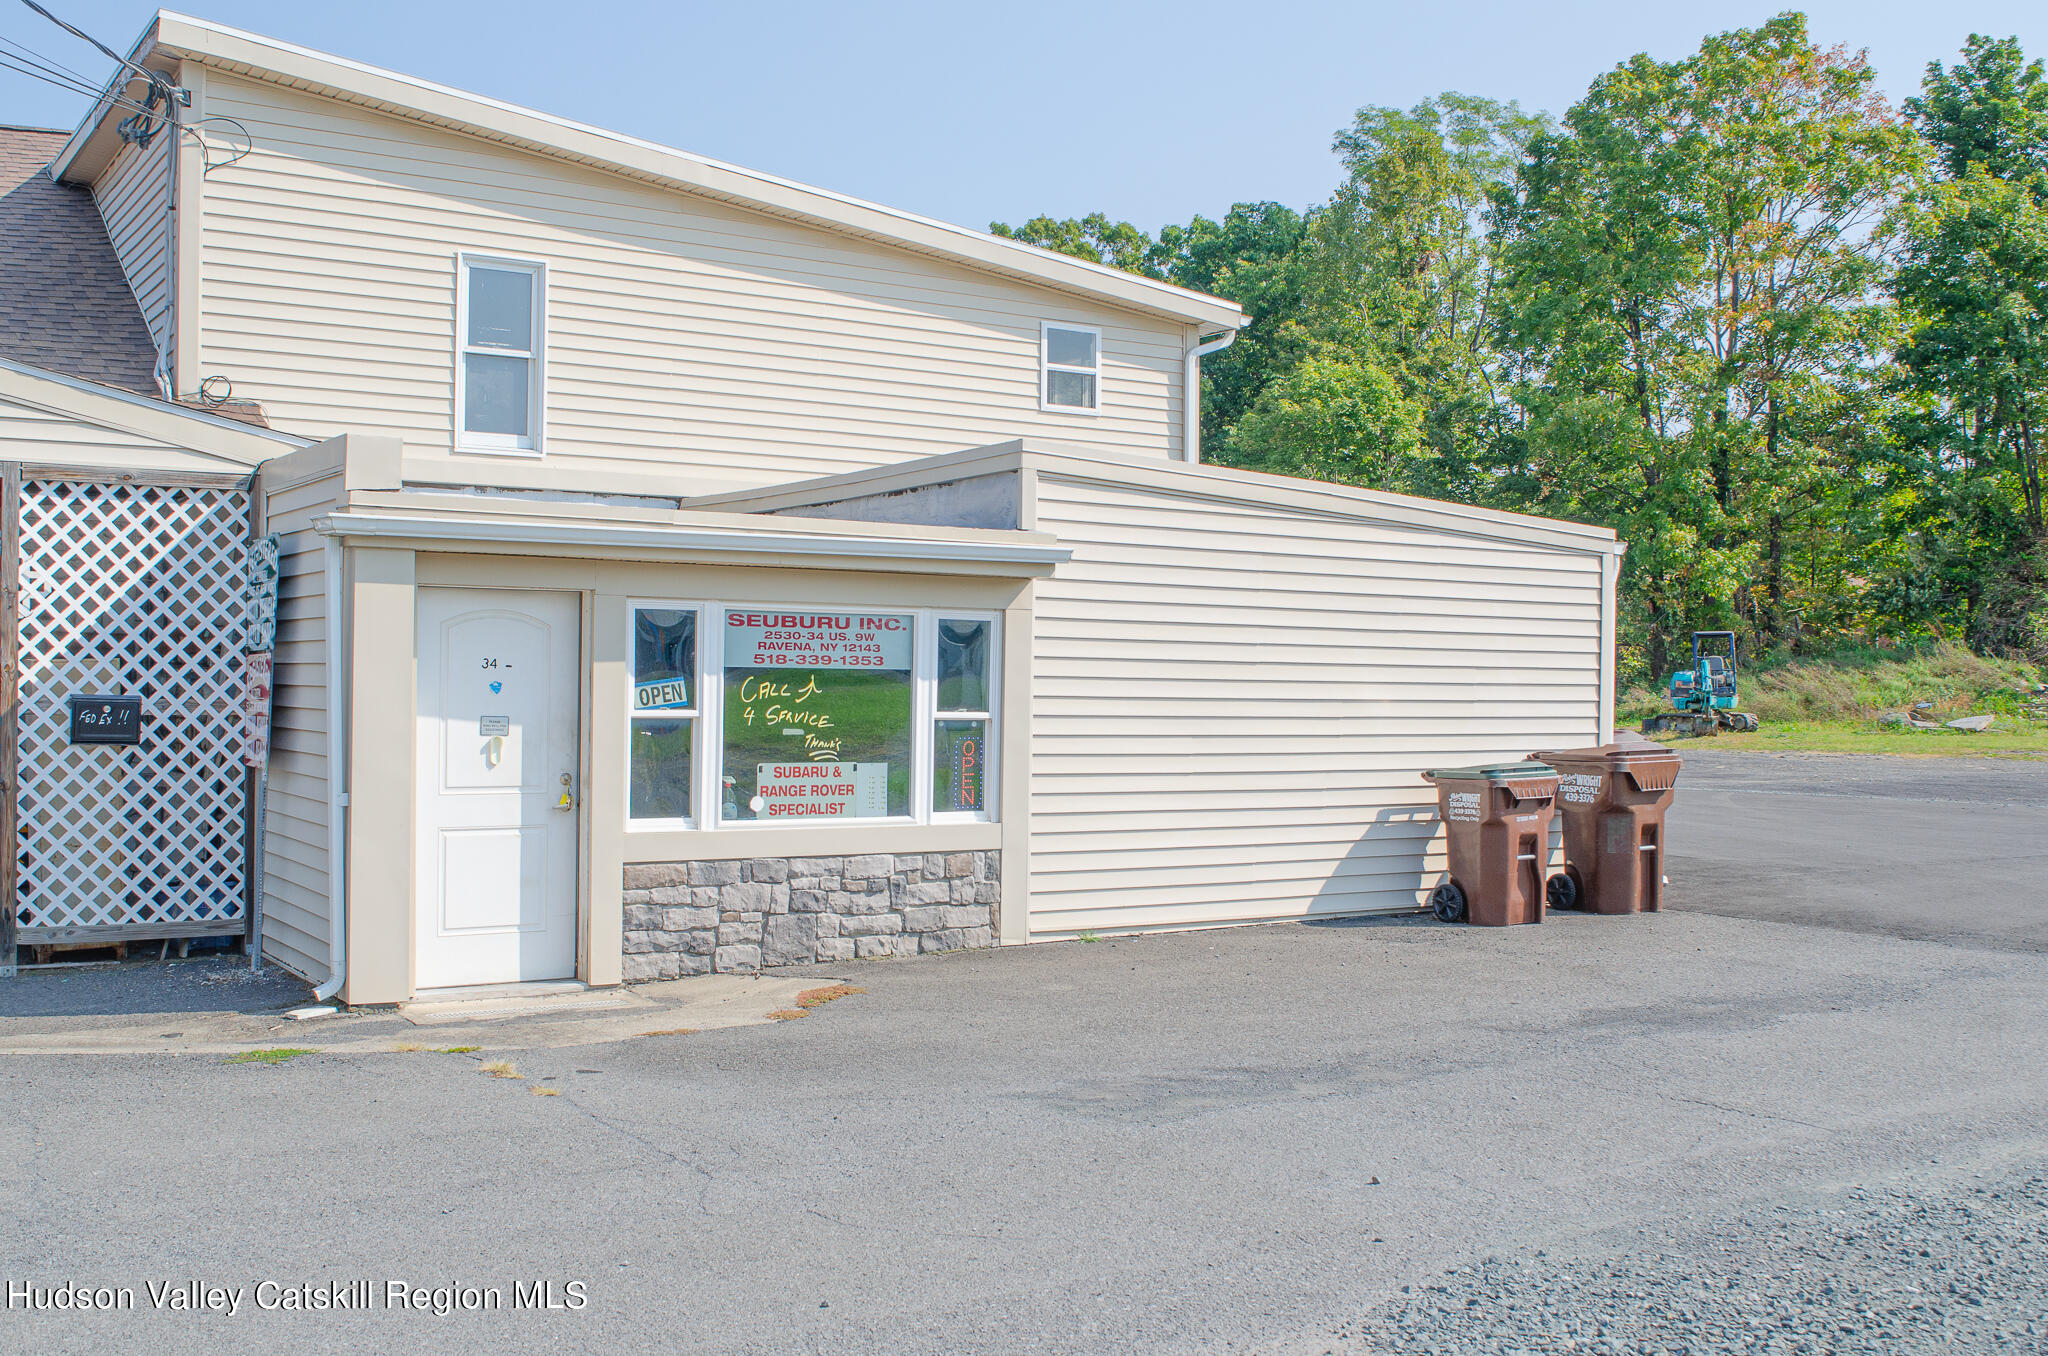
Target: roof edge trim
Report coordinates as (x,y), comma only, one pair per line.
(397,94)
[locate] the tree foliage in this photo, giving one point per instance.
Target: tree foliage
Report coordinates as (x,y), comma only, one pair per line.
(1789,340)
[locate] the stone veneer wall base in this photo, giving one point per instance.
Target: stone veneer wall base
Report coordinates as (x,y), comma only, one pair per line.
(736,917)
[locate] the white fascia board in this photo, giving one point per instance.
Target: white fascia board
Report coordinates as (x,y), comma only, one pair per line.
(1173,477)
(143,416)
(902,475)
(1320,497)
(697,540)
(95,127)
(239,52)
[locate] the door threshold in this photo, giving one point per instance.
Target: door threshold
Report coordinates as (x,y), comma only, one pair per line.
(468,993)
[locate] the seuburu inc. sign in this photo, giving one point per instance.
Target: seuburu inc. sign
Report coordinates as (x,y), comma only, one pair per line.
(817,640)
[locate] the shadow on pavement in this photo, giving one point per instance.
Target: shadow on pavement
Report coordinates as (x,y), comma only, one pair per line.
(199,984)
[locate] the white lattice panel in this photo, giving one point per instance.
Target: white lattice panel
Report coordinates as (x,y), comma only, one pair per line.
(131,589)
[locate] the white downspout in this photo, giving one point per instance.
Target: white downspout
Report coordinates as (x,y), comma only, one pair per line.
(337,784)
(1191,393)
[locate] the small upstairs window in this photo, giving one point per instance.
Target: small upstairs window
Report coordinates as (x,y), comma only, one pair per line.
(1071,368)
(501,329)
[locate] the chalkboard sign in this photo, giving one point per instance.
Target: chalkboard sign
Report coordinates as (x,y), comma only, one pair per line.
(106,720)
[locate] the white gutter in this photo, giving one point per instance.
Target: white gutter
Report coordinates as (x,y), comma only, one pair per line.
(749,540)
(337,788)
(1191,393)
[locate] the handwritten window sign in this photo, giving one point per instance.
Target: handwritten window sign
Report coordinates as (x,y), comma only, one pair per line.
(817,640)
(106,720)
(818,714)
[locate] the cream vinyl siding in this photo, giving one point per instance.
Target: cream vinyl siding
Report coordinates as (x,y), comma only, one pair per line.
(1231,702)
(41,437)
(713,347)
(296,886)
(134,197)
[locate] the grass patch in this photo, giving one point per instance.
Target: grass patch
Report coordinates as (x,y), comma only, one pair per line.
(502,1068)
(819,997)
(276,1055)
(673,1031)
(1086,936)
(1841,737)
(1838,702)
(456,1049)
(785,1015)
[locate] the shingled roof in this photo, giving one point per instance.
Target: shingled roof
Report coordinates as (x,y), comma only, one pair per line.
(65,305)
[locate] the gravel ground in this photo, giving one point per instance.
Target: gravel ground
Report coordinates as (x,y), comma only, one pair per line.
(1947,1267)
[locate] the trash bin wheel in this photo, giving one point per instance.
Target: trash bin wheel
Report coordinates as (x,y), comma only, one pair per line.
(1561,891)
(1447,902)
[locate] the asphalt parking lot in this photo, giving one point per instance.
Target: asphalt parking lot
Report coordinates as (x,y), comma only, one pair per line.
(1758,1121)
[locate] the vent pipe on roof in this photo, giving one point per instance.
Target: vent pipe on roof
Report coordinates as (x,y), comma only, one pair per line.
(1191,393)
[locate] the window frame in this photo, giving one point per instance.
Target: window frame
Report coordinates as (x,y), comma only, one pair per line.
(1046,367)
(502,444)
(634,607)
(991,775)
(707,745)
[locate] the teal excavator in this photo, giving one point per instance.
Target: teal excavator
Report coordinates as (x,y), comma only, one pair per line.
(1703,696)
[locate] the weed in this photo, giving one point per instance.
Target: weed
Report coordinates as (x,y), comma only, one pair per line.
(1085,936)
(784,1015)
(411,1048)
(456,1049)
(817,998)
(673,1031)
(277,1055)
(501,1068)
(545,1092)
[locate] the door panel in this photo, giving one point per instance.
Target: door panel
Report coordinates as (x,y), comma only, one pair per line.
(497,760)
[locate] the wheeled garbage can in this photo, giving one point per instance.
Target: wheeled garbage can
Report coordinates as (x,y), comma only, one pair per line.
(1497,835)
(1612,799)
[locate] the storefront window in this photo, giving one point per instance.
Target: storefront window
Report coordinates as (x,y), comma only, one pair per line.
(961,720)
(664,713)
(818,719)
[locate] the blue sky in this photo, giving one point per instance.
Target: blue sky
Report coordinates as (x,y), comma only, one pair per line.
(971,113)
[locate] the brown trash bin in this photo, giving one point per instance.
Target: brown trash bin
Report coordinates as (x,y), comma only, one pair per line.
(1497,835)
(1613,799)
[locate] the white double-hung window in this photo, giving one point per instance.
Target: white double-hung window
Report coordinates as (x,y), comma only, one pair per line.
(501,354)
(1070,362)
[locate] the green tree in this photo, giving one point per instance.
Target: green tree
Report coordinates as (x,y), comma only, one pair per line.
(1400,274)
(1696,246)
(1974,282)
(1095,238)
(1336,418)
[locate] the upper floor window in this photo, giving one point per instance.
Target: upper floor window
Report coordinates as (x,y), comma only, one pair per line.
(501,326)
(1070,359)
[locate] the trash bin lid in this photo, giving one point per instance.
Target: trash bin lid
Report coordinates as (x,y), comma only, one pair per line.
(1652,767)
(1614,753)
(1492,772)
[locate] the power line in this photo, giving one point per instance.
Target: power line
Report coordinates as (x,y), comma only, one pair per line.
(153,77)
(50,75)
(38,67)
(50,63)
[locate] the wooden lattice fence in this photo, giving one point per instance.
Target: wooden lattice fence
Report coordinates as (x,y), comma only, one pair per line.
(129,588)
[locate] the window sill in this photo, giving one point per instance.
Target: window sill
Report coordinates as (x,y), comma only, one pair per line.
(485,450)
(823,840)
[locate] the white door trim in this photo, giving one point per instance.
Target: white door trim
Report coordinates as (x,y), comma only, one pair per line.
(499,768)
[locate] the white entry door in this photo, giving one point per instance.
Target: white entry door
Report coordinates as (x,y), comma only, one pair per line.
(498,675)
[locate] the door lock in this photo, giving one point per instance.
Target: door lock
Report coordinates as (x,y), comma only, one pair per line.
(568,800)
